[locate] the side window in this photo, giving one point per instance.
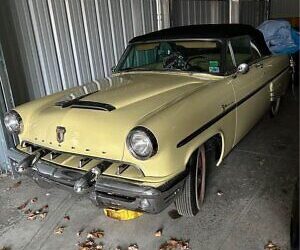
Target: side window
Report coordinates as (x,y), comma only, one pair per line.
(242,49)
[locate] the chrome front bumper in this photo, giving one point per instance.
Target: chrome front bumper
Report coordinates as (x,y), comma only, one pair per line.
(46,171)
(104,191)
(115,193)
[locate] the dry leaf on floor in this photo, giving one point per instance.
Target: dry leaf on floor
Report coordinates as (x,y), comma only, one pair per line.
(24,205)
(28,211)
(173,244)
(42,209)
(219,193)
(96,234)
(89,245)
(39,213)
(133,247)
(43,215)
(59,230)
(271,246)
(34,200)
(79,233)
(66,217)
(32,215)
(158,233)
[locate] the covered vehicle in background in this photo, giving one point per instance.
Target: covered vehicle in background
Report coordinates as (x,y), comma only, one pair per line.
(280,37)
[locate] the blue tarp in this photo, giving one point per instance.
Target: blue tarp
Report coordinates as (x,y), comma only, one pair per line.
(280,37)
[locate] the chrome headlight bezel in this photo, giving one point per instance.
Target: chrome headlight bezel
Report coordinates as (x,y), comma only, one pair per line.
(148,135)
(10,117)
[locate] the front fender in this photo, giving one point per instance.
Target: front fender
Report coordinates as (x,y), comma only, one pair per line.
(176,122)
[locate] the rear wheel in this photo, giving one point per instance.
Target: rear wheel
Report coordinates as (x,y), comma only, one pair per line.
(275,105)
(189,201)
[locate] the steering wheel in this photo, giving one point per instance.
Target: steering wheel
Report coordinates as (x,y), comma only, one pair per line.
(174,61)
(188,64)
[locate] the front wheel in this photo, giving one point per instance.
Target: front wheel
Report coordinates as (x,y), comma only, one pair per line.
(275,105)
(189,201)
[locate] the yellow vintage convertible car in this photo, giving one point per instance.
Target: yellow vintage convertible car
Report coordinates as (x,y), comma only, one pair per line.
(178,101)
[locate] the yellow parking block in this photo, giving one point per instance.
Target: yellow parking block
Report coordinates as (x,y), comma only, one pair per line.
(121,214)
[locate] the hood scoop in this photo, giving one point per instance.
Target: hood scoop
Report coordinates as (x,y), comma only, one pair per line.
(92,105)
(78,103)
(81,104)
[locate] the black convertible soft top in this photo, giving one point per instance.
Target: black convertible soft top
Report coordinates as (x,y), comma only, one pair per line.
(213,31)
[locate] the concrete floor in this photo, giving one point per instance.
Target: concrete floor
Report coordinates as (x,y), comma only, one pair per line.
(256,179)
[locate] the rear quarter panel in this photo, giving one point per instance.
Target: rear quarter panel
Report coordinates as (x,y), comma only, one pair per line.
(277,69)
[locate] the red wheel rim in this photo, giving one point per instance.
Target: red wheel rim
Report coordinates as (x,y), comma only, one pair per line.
(201,169)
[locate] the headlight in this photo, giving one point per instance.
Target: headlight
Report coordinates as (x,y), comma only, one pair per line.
(141,143)
(13,122)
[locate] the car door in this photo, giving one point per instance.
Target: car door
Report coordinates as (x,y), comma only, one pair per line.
(252,96)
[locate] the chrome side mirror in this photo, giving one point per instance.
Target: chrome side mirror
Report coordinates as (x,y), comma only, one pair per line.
(243,68)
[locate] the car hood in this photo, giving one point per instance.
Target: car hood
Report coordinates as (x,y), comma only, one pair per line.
(124,90)
(92,128)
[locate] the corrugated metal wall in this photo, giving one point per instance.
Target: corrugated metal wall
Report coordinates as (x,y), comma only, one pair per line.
(6,103)
(253,12)
(65,43)
(58,44)
(288,8)
(187,12)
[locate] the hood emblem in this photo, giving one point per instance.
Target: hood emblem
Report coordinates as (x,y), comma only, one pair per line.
(60,133)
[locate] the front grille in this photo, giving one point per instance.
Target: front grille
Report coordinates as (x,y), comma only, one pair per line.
(83,162)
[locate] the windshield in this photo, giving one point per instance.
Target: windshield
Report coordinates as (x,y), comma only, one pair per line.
(196,56)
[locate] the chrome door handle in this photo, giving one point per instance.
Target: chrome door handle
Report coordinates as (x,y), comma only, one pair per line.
(259,65)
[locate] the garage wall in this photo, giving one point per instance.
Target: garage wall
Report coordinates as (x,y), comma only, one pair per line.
(253,12)
(281,9)
(6,103)
(187,12)
(58,44)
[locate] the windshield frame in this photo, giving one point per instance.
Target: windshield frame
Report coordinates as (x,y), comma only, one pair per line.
(128,48)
